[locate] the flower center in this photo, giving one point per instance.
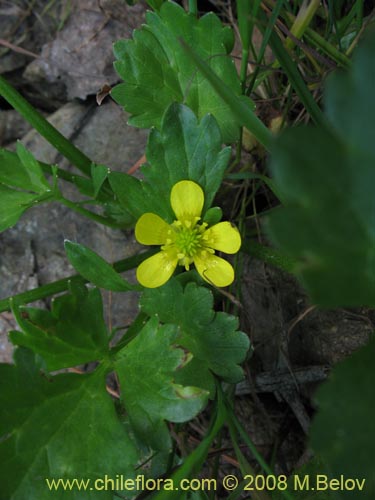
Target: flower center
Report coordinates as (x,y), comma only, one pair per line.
(188,241)
(186,237)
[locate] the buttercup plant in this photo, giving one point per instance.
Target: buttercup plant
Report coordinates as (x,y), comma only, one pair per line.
(186,241)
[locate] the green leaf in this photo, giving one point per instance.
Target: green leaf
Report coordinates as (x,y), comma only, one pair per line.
(156,71)
(212,337)
(195,373)
(99,173)
(155,4)
(72,333)
(146,368)
(343,432)
(239,105)
(63,426)
(327,179)
(37,181)
(183,149)
(12,171)
(22,172)
(12,205)
(349,99)
(94,268)
(245,22)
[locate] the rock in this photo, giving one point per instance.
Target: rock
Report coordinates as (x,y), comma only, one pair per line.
(80,59)
(10,30)
(12,126)
(107,139)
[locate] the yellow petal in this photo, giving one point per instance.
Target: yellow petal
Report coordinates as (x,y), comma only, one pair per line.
(214,269)
(223,237)
(151,230)
(187,200)
(156,270)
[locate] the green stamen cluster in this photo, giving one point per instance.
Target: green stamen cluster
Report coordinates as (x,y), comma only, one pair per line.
(188,238)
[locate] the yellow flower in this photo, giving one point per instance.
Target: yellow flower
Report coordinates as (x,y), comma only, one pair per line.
(186,241)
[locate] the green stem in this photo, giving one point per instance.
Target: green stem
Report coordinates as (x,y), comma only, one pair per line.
(106,192)
(359,15)
(302,21)
(193,9)
(61,173)
(62,285)
(87,213)
(244,64)
(45,129)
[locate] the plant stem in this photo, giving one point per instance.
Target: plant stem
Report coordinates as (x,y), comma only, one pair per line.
(61,173)
(45,129)
(302,21)
(244,64)
(87,213)
(62,285)
(193,7)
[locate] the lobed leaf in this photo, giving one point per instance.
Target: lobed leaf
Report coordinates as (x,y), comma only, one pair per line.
(22,185)
(99,173)
(12,172)
(37,181)
(13,204)
(212,337)
(53,427)
(157,72)
(72,333)
(183,149)
(146,368)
